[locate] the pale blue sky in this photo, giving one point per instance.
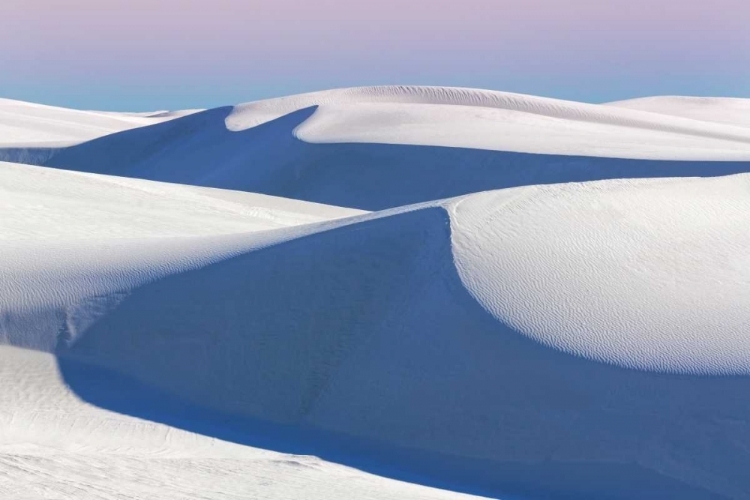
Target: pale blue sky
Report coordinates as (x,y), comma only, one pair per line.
(159,54)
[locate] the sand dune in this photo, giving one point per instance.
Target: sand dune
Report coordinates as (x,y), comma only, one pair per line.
(395,328)
(263,151)
(726,110)
(72,247)
(470,118)
(53,445)
(552,340)
(25,124)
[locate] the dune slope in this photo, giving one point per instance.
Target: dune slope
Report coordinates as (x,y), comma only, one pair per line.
(263,151)
(485,119)
(447,339)
(32,133)
(552,340)
(25,124)
(726,110)
(54,445)
(72,247)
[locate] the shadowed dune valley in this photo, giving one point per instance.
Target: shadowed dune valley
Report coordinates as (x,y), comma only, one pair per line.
(239,260)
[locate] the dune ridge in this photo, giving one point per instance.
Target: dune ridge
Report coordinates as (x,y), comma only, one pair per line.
(726,110)
(30,125)
(505,324)
(344,105)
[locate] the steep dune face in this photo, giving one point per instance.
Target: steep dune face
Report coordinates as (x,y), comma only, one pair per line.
(73,243)
(372,335)
(268,158)
(726,110)
(458,339)
(52,444)
(284,318)
(72,247)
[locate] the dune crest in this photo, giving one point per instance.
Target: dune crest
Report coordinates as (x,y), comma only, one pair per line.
(726,110)
(501,121)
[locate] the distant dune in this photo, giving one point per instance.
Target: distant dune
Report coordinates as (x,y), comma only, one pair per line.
(500,121)
(726,110)
(24,124)
(407,152)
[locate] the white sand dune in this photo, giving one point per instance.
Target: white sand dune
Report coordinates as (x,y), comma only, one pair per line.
(54,205)
(608,283)
(26,125)
(106,234)
(33,133)
(671,128)
(554,340)
(53,445)
(428,330)
(384,147)
(74,246)
(472,118)
(726,110)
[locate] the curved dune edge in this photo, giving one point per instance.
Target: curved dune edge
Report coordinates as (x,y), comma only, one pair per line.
(199,150)
(590,268)
(586,268)
(593,269)
(371,332)
(255,113)
(74,244)
(417,329)
(495,120)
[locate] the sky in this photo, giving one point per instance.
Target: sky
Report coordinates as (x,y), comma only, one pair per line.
(136,55)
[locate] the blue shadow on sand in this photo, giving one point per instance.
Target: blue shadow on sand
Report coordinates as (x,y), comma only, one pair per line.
(199,150)
(367,329)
